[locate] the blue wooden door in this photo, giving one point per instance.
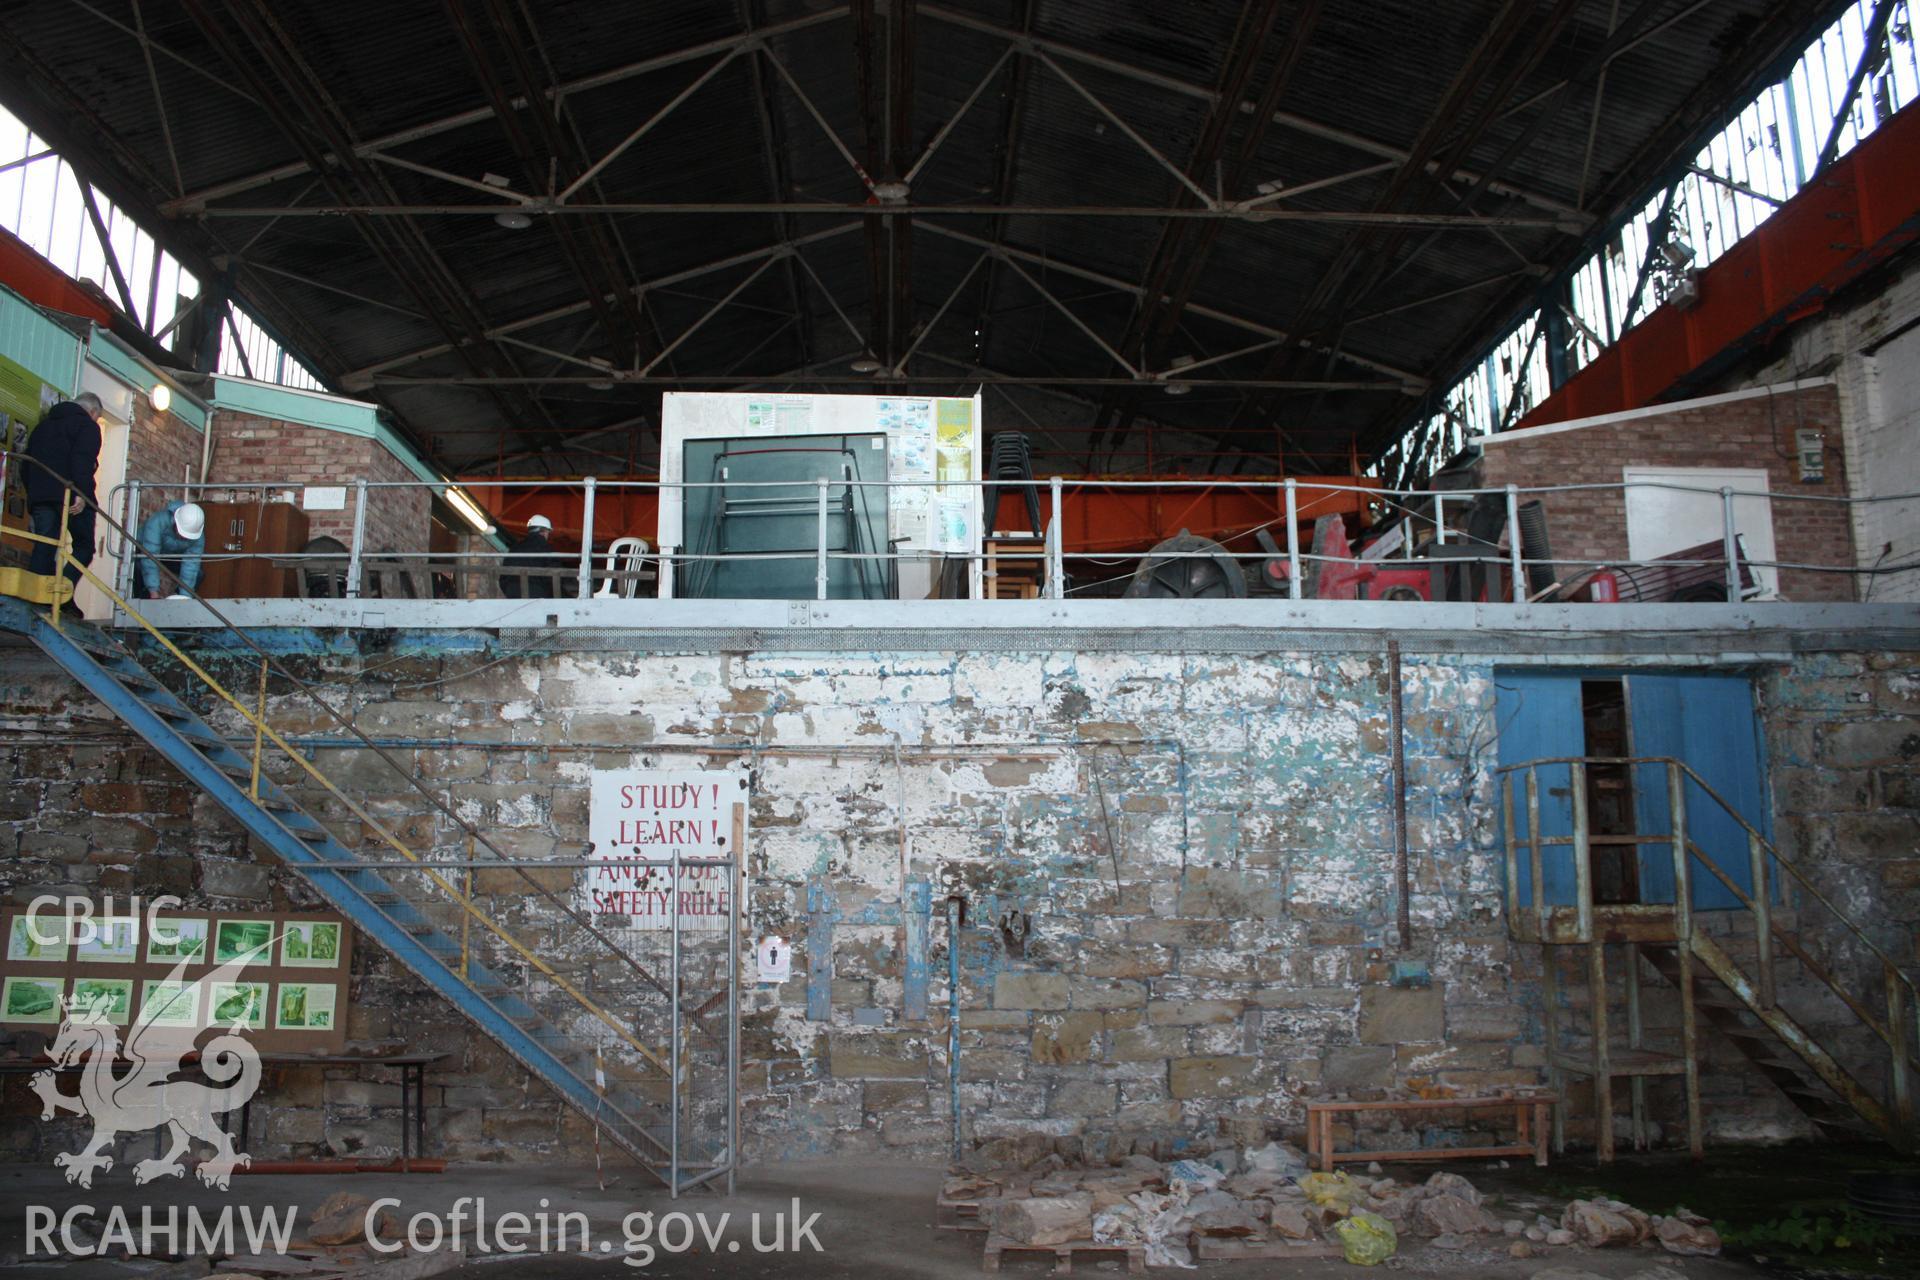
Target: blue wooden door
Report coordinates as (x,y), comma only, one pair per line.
(1709,722)
(1539,718)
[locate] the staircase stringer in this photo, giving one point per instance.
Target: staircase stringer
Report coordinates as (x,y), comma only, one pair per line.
(1791,1034)
(330,880)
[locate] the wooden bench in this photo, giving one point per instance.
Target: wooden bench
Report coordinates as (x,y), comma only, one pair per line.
(1530,1122)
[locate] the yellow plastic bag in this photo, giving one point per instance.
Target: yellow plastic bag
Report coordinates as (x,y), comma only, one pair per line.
(1366,1238)
(1336,1191)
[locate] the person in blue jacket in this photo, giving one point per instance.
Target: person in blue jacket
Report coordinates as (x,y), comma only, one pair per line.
(176,536)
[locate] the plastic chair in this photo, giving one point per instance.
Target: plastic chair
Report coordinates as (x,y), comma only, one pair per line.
(624,556)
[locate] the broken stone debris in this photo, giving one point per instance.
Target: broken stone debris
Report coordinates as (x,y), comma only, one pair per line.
(1687,1234)
(1266,1196)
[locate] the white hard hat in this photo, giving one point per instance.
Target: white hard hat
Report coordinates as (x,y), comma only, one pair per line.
(539,522)
(189,520)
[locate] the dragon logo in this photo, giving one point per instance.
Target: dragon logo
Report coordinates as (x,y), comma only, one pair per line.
(146,1096)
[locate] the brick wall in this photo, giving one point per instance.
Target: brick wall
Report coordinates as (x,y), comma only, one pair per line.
(249,447)
(1194,852)
(1748,433)
(161,447)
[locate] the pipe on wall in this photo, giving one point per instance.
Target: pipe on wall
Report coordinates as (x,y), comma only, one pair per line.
(1397,730)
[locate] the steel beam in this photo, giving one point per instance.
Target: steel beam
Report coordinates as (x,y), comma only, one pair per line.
(1408,379)
(1068,312)
(159,101)
(106,248)
(779,182)
(646,126)
(1876,34)
(711,312)
(1199,192)
(539,208)
(268,269)
(862,380)
(900,366)
(478,115)
(1027,43)
(363,377)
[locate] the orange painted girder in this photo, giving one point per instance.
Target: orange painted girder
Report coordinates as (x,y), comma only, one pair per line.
(1861,211)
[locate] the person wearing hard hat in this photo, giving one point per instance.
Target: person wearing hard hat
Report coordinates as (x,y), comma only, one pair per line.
(531,555)
(174,536)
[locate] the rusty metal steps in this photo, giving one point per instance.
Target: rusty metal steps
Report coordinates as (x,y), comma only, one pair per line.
(1766,1051)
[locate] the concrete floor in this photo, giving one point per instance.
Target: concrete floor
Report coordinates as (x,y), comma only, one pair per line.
(875,1221)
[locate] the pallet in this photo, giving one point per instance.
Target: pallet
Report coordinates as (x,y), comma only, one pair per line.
(958,1215)
(1230,1249)
(1063,1255)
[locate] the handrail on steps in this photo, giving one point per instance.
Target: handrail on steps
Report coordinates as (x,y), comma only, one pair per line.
(64,557)
(1894,1032)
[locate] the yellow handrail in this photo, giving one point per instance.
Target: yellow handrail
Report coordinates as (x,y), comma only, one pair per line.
(286,748)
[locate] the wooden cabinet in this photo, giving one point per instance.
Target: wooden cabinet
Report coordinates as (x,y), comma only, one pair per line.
(242,539)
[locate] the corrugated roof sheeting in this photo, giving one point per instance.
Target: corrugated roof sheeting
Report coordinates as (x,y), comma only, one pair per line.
(1378,71)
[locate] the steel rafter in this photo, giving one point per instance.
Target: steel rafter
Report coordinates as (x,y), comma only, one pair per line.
(1183,249)
(1511,46)
(1407,378)
(1668,153)
(548,158)
(362,377)
(199,198)
(779,179)
(542,208)
(250,39)
(1022,39)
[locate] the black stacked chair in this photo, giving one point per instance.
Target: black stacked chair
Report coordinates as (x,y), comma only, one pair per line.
(1009,457)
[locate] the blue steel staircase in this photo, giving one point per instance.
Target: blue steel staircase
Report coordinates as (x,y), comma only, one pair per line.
(370,900)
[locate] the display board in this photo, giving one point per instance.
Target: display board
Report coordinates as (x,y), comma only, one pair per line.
(933,440)
(652,814)
(290,991)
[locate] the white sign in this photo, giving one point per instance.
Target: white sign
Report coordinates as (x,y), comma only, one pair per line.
(775,957)
(326,497)
(640,816)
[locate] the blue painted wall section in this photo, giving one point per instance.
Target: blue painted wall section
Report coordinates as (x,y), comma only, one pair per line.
(911,912)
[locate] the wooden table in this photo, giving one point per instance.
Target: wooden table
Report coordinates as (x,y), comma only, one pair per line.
(413,1090)
(1530,1120)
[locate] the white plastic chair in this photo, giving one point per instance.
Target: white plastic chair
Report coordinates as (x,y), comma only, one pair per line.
(624,555)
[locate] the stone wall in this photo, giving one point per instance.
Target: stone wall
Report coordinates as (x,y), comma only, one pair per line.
(1175,871)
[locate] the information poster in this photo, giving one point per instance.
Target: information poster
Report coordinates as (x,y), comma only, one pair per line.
(282,977)
(637,817)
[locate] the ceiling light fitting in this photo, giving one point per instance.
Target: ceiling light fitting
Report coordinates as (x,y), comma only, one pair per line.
(469,509)
(513,220)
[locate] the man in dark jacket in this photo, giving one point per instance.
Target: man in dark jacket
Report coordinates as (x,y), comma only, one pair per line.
(66,444)
(533,555)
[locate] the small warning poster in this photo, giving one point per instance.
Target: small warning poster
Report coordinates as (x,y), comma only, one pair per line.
(639,817)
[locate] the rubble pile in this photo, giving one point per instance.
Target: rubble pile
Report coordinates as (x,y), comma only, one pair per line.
(1264,1202)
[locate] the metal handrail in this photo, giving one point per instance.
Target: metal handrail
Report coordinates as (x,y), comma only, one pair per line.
(65,557)
(1894,1032)
(1287,494)
(1753,833)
